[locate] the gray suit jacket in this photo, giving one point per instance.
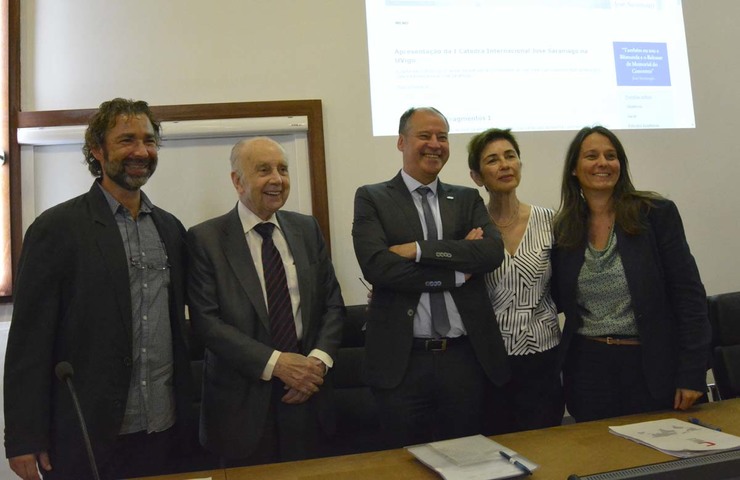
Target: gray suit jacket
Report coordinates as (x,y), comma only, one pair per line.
(228,311)
(385,215)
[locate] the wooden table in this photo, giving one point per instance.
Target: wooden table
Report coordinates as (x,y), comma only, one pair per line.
(582,448)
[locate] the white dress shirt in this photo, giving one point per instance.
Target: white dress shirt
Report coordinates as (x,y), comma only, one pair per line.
(254,241)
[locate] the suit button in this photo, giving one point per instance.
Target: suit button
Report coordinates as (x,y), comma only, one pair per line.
(410,312)
(127,361)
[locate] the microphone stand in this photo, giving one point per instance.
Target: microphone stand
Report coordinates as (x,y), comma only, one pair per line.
(64,372)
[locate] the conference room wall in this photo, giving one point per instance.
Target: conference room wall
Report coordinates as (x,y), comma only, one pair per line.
(77,53)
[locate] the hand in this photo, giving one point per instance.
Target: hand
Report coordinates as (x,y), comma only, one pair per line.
(685,398)
(321,365)
(475,234)
(294,397)
(304,374)
(406,250)
(25,466)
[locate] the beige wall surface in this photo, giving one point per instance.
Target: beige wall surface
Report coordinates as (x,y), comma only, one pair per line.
(78,53)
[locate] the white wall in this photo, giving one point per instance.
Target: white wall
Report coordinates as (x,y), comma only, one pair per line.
(78,53)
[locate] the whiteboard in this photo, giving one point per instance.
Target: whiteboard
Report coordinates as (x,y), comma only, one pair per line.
(192,180)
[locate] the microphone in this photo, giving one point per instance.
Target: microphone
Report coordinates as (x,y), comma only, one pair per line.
(65,372)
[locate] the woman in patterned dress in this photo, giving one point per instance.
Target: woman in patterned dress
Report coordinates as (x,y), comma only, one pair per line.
(636,334)
(520,290)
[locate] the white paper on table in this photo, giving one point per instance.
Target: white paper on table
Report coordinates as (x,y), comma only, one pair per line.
(678,438)
(470,458)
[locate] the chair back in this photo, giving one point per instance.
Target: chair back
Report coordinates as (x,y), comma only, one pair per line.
(724,316)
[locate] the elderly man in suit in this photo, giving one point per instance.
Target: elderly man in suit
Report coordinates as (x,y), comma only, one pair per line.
(101,285)
(265,299)
(432,342)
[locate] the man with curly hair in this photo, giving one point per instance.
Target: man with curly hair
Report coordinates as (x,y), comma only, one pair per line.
(100,285)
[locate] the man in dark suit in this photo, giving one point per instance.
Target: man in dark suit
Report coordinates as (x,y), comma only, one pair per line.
(267,304)
(101,286)
(432,340)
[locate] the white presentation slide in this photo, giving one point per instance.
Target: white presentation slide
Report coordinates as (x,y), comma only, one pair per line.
(530,65)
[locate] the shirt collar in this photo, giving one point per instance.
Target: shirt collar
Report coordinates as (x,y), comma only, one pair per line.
(145,207)
(412,184)
(249,219)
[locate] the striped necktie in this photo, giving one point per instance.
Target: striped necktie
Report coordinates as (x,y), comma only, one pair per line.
(279,308)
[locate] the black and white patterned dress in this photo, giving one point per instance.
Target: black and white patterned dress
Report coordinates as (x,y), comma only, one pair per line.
(520,290)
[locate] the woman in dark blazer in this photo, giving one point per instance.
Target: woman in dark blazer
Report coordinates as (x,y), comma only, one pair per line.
(636,335)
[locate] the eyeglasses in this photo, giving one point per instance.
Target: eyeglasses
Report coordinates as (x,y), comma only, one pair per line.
(147,266)
(141,266)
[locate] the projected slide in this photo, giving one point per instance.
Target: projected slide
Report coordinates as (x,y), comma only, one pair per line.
(530,64)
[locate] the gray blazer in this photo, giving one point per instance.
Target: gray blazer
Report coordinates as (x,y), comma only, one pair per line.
(228,311)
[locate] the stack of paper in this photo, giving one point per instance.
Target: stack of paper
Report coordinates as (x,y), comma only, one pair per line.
(678,438)
(471,458)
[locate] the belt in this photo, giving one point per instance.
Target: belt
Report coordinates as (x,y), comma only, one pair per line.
(615,341)
(437,344)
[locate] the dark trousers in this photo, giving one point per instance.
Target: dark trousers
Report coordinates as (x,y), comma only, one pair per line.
(532,399)
(292,432)
(604,381)
(138,454)
(440,397)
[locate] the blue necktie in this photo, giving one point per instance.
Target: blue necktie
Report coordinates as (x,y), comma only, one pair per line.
(440,320)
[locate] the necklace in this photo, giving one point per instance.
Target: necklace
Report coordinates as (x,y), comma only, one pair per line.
(511,221)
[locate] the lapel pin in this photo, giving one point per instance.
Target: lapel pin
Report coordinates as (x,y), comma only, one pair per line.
(450,197)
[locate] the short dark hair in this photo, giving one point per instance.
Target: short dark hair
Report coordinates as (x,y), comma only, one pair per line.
(478,143)
(104,119)
(403,123)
